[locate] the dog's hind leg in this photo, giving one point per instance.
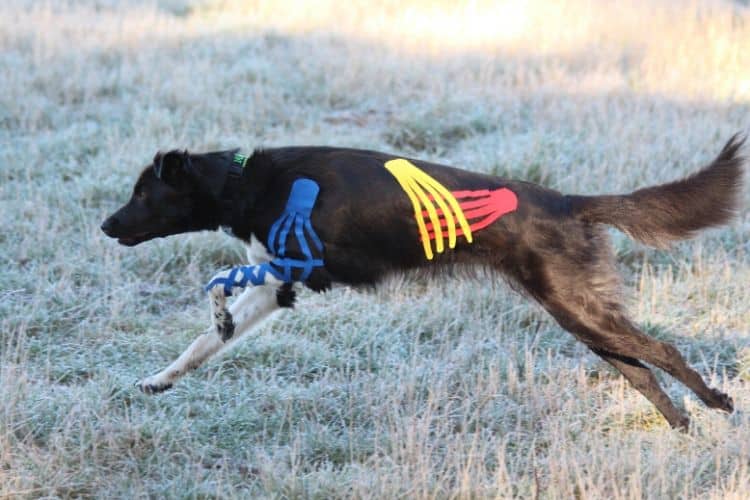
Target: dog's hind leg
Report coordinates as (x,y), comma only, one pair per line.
(628,340)
(613,332)
(571,272)
(645,382)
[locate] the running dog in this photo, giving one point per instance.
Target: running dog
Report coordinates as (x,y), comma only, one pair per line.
(321,215)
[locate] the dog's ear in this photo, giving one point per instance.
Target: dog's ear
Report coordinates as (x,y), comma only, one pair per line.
(172,167)
(209,171)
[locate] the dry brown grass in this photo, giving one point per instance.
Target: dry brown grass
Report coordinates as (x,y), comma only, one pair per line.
(461,389)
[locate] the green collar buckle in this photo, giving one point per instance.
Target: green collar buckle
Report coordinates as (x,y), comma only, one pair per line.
(240,160)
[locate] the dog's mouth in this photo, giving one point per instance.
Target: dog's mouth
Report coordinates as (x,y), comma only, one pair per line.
(131,241)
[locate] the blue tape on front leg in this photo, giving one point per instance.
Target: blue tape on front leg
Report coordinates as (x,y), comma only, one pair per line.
(313,235)
(271,243)
(301,201)
(299,225)
(302,197)
(284,234)
(229,284)
(256,275)
(299,232)
(296,217)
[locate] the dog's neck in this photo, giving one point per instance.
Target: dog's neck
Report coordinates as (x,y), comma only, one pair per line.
(230,193)
(245,179)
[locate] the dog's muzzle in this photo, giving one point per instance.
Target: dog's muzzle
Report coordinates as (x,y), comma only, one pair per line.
(109,226)
(112,228)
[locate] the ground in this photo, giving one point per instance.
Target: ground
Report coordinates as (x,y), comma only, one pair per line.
(453,389)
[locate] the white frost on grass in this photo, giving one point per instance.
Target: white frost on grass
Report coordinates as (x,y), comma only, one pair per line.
(460,388)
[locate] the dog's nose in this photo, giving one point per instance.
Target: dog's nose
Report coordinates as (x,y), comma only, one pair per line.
(109,225)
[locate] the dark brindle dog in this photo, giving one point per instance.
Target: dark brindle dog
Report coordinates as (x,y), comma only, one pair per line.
(319,215)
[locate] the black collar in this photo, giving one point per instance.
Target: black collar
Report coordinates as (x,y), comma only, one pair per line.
(231,189)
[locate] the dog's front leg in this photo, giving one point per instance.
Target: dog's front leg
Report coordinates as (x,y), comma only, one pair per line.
(250,309)
(226,283)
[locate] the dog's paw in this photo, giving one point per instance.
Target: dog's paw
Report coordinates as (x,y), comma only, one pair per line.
(721,401)
(152,385)
(225,283)
(682,424)
(226,328)
(223,322)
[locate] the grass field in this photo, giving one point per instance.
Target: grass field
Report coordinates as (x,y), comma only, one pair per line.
(448,390)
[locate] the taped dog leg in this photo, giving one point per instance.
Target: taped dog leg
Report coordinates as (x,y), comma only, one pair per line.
(220,315)
(226,283)
(249,310)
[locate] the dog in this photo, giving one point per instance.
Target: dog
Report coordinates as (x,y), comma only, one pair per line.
(319,216)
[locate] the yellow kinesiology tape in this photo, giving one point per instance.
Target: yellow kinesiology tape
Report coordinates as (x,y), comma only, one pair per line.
(424,193)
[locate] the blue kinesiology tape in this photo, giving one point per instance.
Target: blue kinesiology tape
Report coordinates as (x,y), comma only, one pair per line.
(296,220)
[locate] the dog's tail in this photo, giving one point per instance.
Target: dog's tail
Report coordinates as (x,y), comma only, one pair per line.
(660,214)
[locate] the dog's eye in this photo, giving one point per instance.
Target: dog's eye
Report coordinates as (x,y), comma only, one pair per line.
(140,194)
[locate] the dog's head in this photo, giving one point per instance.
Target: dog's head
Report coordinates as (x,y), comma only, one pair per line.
(177,193)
